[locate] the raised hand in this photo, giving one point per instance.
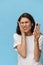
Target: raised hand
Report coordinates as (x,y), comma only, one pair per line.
(21,29)
(36,32)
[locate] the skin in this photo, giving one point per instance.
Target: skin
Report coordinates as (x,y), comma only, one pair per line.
(25,26)
(37,51)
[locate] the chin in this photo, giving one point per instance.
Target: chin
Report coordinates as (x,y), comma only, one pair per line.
(26,31)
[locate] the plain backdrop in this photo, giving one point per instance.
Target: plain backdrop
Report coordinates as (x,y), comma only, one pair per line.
(10,10)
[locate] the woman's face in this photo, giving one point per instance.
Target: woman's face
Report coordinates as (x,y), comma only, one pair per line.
(26,24)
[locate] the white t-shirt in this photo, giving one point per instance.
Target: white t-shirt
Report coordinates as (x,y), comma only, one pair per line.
(29,60)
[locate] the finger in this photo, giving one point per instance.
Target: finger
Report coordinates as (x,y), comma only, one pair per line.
(38,27)
(36,32)
(19,24)
(20,27)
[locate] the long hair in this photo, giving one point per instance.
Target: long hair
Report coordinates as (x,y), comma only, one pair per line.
(27,15)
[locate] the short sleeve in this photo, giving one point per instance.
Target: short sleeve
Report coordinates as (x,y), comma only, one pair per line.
(17,40)
(41,43)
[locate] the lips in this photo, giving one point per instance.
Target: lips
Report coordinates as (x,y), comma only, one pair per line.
(24,28)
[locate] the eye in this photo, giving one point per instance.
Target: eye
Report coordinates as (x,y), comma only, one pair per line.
(26,22)
(22,22)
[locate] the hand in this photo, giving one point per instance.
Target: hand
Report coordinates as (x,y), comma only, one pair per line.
(21,29)
(36,32)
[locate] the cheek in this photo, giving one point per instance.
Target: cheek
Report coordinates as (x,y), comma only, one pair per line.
(22,25)
(29,25)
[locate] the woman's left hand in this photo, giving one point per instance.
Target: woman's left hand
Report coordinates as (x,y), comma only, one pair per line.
(36,32)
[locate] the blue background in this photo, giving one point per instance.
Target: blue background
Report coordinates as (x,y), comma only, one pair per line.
(10,10)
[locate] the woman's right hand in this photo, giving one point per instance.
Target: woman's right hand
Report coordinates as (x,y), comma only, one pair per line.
(21,29)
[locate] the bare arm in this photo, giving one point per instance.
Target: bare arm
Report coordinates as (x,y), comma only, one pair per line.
(37,51)
(22,47)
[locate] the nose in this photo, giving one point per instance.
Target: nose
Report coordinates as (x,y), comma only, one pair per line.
(24,24)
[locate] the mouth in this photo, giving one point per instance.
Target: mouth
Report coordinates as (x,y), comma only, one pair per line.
(24,28)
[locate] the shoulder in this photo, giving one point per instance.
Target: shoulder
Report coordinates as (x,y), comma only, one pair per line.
(15,35)
(41,37)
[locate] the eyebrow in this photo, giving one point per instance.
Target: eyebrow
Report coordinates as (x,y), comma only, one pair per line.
(25,21)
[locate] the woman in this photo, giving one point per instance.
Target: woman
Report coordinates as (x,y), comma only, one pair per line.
(28,41)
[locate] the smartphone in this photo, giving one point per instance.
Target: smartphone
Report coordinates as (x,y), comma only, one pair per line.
(37,24)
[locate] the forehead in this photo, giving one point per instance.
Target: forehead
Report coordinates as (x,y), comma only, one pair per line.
(23,19)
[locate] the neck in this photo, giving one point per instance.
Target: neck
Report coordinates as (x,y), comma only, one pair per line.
(29,33)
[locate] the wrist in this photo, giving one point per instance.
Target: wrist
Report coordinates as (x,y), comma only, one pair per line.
(23,34)
(35,39)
